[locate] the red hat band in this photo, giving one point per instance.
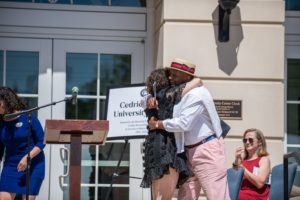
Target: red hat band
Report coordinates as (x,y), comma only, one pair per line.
(182,67)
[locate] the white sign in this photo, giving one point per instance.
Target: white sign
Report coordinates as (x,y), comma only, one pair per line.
(125,114)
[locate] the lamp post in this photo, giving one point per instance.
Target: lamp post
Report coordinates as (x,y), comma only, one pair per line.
(225,7)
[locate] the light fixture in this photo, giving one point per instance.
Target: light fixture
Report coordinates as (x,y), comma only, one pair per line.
(225,7)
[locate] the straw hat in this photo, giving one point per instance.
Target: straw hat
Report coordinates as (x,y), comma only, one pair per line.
(183,66)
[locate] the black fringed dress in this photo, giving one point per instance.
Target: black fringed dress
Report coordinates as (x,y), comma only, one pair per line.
(160,147)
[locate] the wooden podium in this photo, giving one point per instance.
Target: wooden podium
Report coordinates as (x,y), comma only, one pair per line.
(75,133)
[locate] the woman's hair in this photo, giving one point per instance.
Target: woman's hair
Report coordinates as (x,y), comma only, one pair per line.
(262,147)
(11,100)
(160,77)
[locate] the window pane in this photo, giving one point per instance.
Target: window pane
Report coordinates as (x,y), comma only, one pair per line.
(292,4)
(109,156)
(102,109)
(91,2)
(112,151)
(105,174)
(293,124)
(128,3)
(86,193)
(131,3)
(114,70)
(22,71)
(88,163)
(87,174)
(81,71)
(1,67)
(54,1)
(18,0)
(88,152)
(66,193)
(87,109)
(77,2)
(293,79)
(31,102)
(117,193)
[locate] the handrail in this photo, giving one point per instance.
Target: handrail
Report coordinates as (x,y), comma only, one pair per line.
(285,170)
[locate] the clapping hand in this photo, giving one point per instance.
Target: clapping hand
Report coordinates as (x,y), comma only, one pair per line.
(239,153)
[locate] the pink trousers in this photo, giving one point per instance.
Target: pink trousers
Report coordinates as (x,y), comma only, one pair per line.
(209,166)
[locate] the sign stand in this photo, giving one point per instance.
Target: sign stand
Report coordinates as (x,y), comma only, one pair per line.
(116,174)
(127,119)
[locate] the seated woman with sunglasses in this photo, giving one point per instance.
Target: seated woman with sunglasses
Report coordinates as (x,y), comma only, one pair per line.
(253,157)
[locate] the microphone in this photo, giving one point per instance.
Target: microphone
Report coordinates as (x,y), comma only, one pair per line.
(8,117)
(75,91)
(154,89)
(11,116)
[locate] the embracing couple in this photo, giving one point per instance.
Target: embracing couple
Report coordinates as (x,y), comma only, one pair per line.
(184,147)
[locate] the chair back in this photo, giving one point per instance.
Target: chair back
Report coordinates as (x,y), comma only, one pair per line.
(234,177)
(277,182)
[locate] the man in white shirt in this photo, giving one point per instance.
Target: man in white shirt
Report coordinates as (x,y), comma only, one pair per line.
(196,120)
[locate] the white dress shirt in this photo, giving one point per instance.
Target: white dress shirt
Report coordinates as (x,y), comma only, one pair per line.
(194,118)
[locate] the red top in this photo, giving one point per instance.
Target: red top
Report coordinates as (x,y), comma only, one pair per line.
(248,190)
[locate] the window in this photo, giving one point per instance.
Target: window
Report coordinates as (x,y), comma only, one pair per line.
(125,3)
(293,109)
(19,70)
(292,5)
(1,68)
(92,73)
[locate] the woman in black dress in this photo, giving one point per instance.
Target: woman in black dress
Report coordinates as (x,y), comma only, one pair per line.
(164,168)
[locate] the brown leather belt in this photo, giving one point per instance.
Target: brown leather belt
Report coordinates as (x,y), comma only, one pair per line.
(201,142)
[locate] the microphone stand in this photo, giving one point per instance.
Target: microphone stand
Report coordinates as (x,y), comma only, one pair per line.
(28,156)
(76,110)
(28,112)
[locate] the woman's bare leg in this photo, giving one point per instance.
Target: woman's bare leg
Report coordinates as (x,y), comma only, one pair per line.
(164,188)
(7,196)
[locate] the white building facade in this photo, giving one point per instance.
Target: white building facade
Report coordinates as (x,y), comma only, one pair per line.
(48,47)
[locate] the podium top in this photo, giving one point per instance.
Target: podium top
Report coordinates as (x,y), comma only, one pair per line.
(61,131)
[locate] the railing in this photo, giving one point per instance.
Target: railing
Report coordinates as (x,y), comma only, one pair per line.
(285,170)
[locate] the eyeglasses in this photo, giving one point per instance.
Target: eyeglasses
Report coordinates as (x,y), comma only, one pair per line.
(251,140)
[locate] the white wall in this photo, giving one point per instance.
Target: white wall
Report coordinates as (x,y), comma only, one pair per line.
(250,67)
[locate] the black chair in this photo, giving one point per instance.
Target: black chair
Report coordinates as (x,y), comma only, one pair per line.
(277,182)
(234,177)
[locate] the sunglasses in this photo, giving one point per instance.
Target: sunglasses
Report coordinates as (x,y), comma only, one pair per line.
(251,140)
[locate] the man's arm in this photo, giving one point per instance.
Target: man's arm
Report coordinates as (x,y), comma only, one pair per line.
(191,108)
